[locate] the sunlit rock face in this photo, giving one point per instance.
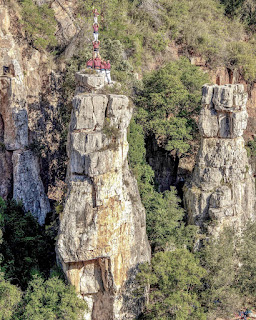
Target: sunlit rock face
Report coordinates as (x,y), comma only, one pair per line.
(222,190)
(102,236)
(20,82)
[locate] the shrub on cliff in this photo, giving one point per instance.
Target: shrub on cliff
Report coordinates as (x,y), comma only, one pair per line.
(39,23)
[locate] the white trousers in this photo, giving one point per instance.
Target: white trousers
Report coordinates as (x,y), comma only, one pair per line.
(108,76)
(95,19)
(96,36)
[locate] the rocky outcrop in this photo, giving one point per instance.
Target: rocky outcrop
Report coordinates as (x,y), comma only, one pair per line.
(102,235)
(222,190)
(19,167)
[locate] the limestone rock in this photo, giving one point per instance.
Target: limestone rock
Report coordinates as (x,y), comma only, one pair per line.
(28,186)
(102,236)
(222,188)
(87,82)
(223,112)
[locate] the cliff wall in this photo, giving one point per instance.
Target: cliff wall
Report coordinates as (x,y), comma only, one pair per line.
(222,189)
(102,235)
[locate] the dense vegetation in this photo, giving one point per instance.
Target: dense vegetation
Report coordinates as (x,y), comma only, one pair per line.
(213,29)
(40,24)
(31,286)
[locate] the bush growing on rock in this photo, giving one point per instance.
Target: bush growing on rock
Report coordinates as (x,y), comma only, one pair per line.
(39,23)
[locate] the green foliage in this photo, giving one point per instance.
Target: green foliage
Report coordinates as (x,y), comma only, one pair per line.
(110,131)
(10,297)
(26,246)
(40,24)
(221,296)
(170,97)
(51,299)
(245,9)
(164,216)
(246,280)
(251,148)
(174,278)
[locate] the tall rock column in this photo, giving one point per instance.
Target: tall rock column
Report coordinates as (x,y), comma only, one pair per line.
(102,236)
(222,190)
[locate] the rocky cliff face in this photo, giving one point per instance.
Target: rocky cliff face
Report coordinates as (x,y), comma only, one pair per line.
(222,190)
(19,166)
(102,235)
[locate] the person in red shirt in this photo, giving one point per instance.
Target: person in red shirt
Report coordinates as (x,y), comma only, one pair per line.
(102,68)
(108,67)
(96,48)
(95,14)
(95,31)
(89,64)
(97,64)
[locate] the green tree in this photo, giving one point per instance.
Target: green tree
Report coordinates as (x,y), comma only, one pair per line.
(168,101)
(246,280)
(51,299)
(26,246)
(10,297)
(219,257)
(174,278)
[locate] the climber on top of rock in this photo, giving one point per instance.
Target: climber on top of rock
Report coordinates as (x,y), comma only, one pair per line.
(89,63)
(96,48)
(95,31)
(95,14)
(97,64)
(108,67)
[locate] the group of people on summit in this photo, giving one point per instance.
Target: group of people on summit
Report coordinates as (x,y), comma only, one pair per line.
(96,62)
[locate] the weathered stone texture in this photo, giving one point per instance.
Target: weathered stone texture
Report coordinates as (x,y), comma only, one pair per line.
(102,235)
(222,188)
(19,170)
(27,185)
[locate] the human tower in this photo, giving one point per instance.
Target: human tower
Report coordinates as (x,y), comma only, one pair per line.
(96,63)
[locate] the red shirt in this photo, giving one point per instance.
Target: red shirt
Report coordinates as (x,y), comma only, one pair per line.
(89,63)
(107,66)
(102,66)
(95,13)
(95,28)
(97,63)
(96,45)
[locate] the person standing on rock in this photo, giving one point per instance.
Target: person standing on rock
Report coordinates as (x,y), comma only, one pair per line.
(96,48)
(108,67)
(95,31)
(97,64)
(103,68)
(89,64)
(95,14)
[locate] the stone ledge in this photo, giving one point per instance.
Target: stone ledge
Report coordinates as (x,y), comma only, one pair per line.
(89,81)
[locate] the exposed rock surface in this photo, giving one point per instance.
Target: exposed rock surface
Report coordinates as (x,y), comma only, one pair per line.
(102,235)
(222,190)
(19,169)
